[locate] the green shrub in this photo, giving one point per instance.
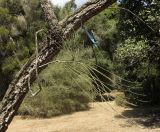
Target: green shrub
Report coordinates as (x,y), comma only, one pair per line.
(64,91)
(121,100)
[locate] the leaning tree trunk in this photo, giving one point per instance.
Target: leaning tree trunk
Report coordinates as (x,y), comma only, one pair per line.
(57,31)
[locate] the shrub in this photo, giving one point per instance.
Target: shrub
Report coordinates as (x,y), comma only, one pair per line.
(121,100)
(64,91)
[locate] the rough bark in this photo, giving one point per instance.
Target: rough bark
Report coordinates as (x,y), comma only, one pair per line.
(57,31)
(87,11)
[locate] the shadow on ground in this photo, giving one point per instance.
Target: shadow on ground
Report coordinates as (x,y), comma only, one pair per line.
(149,117)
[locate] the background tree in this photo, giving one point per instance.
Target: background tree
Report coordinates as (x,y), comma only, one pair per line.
(139,48)
(19,21)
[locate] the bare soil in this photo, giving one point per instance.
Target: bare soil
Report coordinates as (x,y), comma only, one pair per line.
(102,117)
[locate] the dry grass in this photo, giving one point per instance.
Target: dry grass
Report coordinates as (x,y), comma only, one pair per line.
(100,118)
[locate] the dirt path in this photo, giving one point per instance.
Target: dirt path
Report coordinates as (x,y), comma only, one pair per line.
(100,118)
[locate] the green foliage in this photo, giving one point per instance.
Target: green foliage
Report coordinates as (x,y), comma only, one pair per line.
(138,52)
(121,100)
(132,50)
(3,32)
(19,20)
(9,64)
(128,43)
(64,91)
(104,27)
(4,15)
(131,58)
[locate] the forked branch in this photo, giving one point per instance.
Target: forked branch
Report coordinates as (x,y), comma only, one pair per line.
(56,33)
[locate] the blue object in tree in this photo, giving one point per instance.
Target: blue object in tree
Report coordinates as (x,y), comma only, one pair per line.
(91,37)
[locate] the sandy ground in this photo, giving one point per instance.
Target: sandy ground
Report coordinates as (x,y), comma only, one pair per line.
(100,118)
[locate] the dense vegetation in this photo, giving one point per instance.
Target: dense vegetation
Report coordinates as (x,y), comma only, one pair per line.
(19,20)
(128,35)
(138,52)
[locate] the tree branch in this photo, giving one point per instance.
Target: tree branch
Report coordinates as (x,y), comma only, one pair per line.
(87,11)
(56,32)
(19,88)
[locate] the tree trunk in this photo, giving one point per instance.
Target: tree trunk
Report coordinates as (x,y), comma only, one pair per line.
(57,32)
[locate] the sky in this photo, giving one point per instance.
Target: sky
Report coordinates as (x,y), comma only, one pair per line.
(62,2)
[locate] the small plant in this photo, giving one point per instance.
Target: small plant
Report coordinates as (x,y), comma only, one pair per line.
(121,100)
